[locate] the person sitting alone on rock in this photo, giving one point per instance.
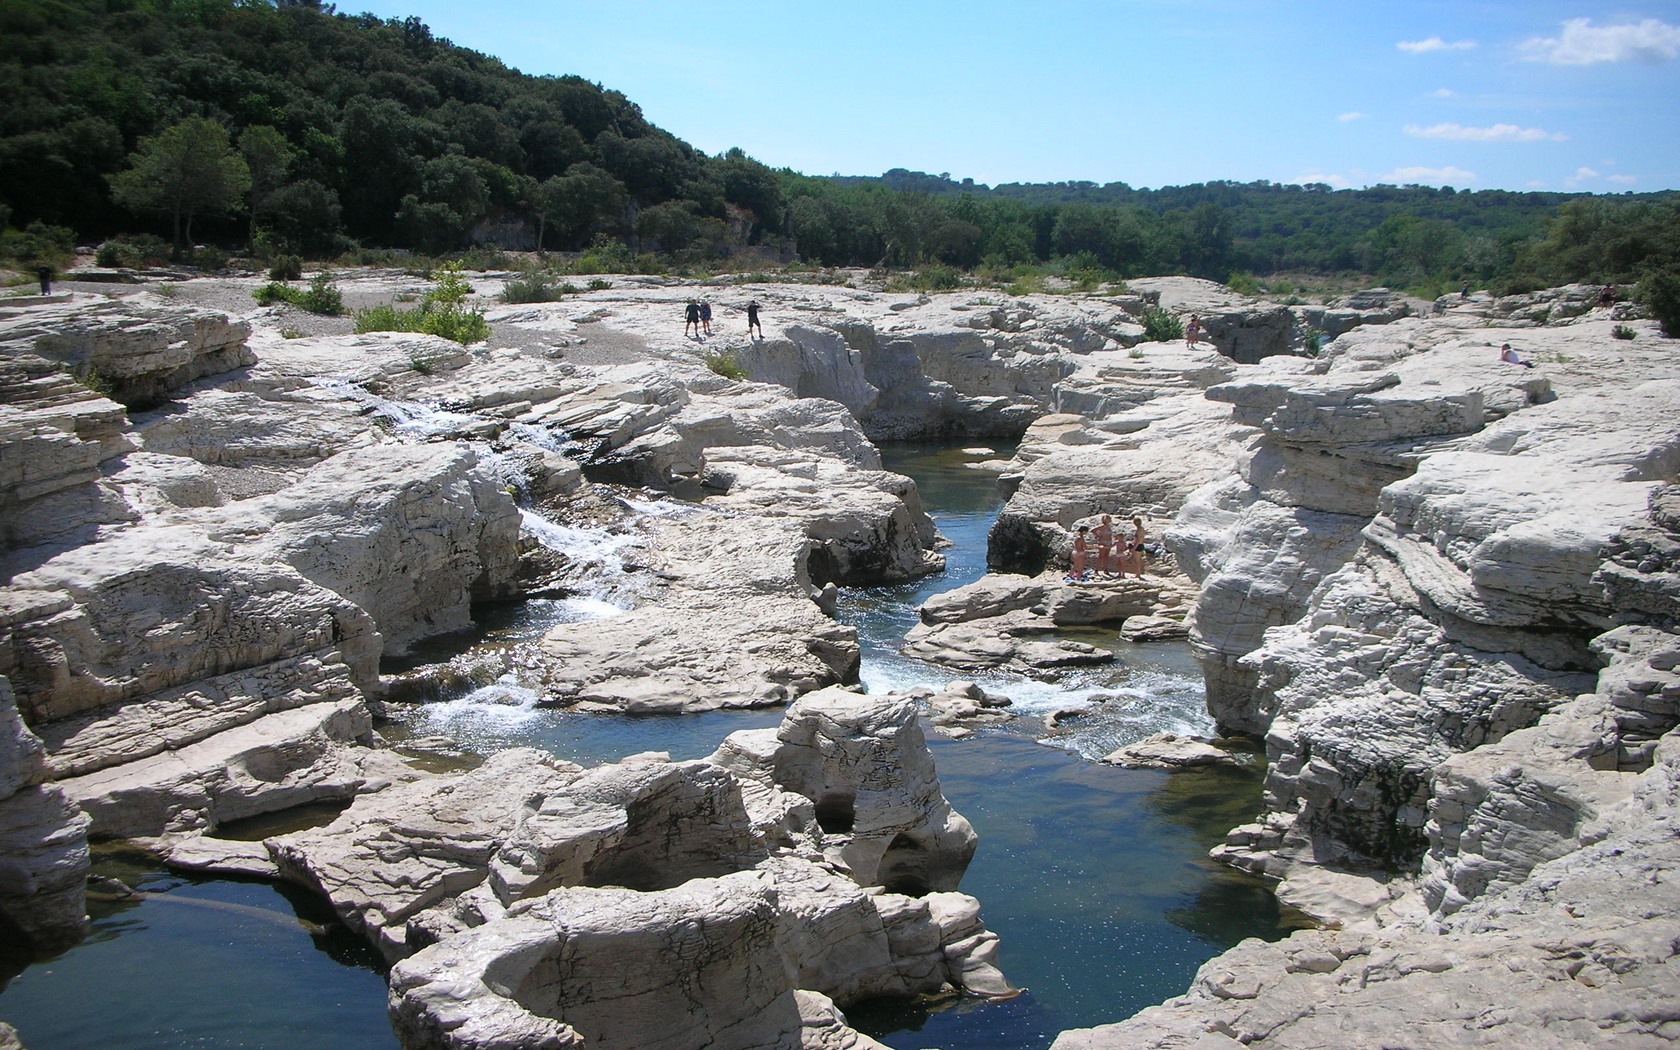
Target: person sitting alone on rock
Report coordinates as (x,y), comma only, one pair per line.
(1510,357)
(1107,560)
(1607,295)
(1081,555)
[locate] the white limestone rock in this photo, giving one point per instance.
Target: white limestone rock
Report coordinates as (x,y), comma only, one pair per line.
(1170,751)
(44,857)
(141,349)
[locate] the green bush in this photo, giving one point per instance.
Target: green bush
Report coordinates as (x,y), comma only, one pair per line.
(207,257)
(442,312)
(1026,284)
(533,289)
(726,364)
(599,285)
(39,244)
(936,278)
(1659,290)
(1622,331)
(323,297)
(286,268)
(1160,326)
(1244,284)
(386,317)
(133,252)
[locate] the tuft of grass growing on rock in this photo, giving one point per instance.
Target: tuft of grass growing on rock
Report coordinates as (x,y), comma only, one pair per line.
(726,364)
(322,296)
(1159,326)
(1622,331)
(533,289)
(442,312)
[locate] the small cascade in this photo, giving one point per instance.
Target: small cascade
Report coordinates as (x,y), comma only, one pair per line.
(595,560)
(416,420)
(490,684)
(484,716)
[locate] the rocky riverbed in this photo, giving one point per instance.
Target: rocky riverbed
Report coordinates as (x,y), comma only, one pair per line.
(1441,588)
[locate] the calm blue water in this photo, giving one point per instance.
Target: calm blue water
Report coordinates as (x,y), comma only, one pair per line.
(1095,877)
(213,963)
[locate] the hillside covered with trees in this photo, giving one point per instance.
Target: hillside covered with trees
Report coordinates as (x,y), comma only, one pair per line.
(283,126)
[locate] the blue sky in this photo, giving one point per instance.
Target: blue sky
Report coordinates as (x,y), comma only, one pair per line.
(1476,95)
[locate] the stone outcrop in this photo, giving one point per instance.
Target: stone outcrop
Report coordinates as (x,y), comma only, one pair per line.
(1010,621)
(726,898)
(136,351)
(1243,329)
(43,840)
(1479,690)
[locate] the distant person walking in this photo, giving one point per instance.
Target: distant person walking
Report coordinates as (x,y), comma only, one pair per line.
(45,273)
(691,318)
(1192,332)
(752,320)
(706,315)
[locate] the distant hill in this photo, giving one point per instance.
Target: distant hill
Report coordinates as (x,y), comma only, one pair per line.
(334,131)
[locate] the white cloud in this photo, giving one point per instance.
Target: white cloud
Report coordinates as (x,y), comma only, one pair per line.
(1448,176)
(1496,133)
(1621,180)
(1434,43)
(1351,115)
(1335,182)
(1582,174)
(1584,44)
(1445,93)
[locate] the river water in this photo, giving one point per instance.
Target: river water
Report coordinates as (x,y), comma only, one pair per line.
(1096,878)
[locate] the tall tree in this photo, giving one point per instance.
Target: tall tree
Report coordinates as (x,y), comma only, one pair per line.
(267,155)
(190,169)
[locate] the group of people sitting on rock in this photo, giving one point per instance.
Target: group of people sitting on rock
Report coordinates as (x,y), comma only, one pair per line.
(1106,552)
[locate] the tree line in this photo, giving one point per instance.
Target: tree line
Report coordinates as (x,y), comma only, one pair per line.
(283,126)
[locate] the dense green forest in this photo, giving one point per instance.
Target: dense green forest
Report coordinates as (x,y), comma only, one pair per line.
(283,126)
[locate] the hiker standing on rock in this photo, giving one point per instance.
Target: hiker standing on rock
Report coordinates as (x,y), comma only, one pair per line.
(752,320)
(691,318)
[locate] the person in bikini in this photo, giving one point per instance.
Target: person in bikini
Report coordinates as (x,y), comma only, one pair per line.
(1108,561)
(1081,555)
